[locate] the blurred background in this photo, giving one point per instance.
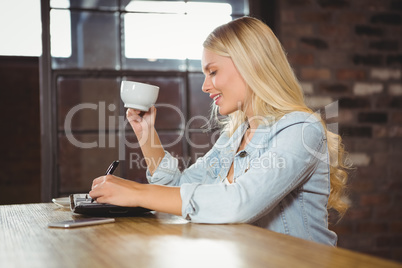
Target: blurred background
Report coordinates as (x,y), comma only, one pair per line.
(61,63)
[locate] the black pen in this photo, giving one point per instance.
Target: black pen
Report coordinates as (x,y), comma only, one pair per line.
(112,167)
(109,171)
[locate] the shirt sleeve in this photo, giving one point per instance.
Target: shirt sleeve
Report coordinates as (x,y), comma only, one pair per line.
(166,173)
(298,145)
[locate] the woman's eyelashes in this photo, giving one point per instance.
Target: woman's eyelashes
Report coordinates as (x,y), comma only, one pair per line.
(212,73)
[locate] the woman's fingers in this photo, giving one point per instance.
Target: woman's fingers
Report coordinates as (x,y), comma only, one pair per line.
(97,181)
(113,190)
(139,116)
(133,115)
(141,125)
(98,191)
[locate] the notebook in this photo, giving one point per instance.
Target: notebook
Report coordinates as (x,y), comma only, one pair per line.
(82,204)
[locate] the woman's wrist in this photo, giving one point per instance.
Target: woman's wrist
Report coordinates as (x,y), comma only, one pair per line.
(140,196)
(153,151)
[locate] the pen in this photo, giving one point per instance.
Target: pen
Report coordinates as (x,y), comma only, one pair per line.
(109,171)
(112,167)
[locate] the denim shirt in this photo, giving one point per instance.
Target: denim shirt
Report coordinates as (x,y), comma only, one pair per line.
(281,179)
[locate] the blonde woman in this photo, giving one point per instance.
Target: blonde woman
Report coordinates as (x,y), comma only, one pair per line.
(275,165)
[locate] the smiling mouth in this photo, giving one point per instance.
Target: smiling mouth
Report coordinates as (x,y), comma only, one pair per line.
(216,98)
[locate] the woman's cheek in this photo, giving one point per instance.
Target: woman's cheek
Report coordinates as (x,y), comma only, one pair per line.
(213,81)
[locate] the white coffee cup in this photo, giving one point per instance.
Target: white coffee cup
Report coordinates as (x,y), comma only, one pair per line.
(137,95)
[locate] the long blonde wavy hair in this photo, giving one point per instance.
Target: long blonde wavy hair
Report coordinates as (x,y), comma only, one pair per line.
(273,88)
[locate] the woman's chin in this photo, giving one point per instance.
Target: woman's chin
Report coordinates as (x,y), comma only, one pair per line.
(225,111)
(222,111)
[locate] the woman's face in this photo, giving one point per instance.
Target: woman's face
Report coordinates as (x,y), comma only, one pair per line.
(223,82)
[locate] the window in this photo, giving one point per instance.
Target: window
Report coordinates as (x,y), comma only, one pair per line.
(180,26)
(21,28)
(170,30)
(155,35)
(60,33)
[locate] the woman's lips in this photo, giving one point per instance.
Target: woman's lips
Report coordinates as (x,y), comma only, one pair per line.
(216,97)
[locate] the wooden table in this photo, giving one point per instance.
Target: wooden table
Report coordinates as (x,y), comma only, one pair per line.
(156,240)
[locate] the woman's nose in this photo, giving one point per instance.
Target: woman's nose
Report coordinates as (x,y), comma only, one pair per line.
(207,85)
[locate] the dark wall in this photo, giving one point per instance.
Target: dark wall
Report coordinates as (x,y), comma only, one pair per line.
(20,130)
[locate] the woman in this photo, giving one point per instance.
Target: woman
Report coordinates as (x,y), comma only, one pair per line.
(275,164)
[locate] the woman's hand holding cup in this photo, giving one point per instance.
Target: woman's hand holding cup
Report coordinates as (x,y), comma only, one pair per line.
(142,123)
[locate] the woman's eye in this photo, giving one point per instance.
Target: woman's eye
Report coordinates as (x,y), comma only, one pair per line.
(212,73)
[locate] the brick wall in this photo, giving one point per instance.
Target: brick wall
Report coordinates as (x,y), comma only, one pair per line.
(351,52)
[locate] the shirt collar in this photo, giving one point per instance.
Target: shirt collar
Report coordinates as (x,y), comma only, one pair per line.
(256,143)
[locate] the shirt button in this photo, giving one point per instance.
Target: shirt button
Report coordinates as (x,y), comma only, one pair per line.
(243,154)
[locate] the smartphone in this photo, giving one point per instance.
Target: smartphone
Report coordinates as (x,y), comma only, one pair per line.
(80,222)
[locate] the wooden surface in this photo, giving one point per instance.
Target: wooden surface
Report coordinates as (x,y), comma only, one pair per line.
(157,240)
